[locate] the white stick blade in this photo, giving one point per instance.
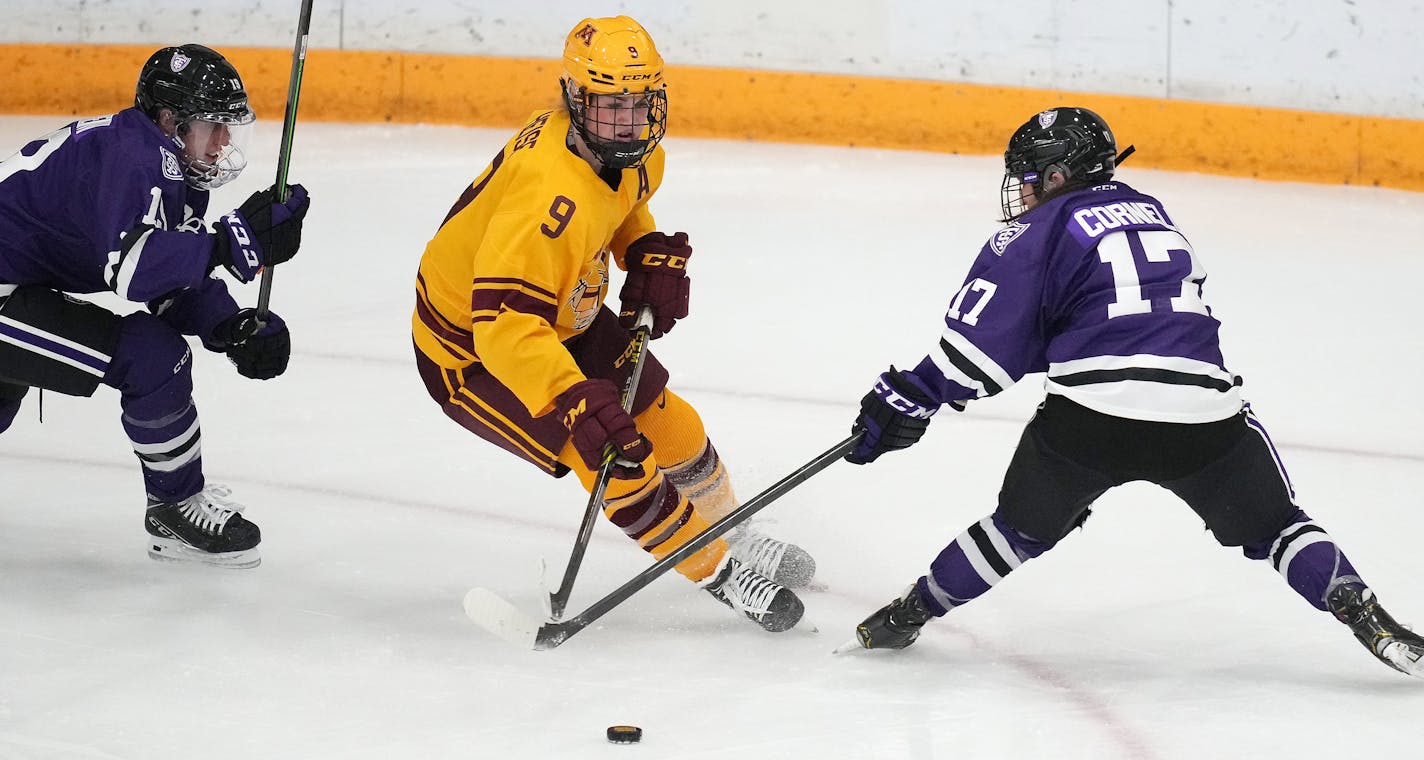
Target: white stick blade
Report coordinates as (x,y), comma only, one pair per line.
(501,618)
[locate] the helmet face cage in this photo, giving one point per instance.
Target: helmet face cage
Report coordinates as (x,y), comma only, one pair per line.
(1074,142)
(208,103)
(213,148)
(621,130)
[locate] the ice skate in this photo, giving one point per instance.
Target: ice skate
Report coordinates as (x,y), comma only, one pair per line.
(765,602)
(787,564)
(204,528)
(1355,605)
(897,624)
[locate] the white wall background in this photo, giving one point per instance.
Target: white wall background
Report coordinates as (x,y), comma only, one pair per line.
(1344,56)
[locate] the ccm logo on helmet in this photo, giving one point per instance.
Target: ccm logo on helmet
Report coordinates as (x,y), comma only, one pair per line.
(636,77)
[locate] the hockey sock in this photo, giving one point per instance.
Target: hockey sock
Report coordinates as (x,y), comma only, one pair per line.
(152,368)
(656,515)
(977,559)
(1306,556)
(703,479)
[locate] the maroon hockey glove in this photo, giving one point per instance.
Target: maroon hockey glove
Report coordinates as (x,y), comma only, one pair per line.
(592,413)
(657,276)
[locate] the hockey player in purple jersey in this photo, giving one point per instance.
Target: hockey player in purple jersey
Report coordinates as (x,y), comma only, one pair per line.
(1092,283)
(116,203)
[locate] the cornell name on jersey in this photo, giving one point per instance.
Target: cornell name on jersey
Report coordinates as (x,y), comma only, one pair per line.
(1101,291)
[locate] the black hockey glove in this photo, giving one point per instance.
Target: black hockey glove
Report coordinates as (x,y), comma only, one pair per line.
(893,416)
(258,351)
(260,232)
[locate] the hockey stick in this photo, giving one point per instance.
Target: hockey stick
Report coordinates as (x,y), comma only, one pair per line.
(636,351)
(284,151)
(506,621)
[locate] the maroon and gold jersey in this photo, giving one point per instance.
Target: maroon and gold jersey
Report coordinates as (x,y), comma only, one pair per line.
(520,263)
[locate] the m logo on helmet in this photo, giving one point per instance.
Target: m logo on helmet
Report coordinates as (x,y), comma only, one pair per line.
(586,34)
(1046,119)
(179,62)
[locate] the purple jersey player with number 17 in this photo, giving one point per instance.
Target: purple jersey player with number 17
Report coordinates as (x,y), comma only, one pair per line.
(1092,283)
(115,204)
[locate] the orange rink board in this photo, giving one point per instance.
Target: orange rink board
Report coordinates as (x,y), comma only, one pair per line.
(739,104)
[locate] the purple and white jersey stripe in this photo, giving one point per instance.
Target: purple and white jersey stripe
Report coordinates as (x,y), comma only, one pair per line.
(1101,291)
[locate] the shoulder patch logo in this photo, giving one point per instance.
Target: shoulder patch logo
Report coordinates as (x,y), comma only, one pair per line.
(1001,239)
(171,169)
(178,62)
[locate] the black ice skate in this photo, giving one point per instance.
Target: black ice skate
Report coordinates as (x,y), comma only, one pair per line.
(1355,605)
(205,528)
(765,602)
(787,564)
(897,624)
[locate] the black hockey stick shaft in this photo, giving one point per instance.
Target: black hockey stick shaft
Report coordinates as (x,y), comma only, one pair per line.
(284,151)
(553,634)
(637,349)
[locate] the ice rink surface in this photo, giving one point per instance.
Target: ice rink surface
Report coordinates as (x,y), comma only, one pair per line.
(1137,637)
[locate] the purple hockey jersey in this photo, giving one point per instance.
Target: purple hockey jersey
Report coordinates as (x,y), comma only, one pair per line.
(1098,289)
(101,205)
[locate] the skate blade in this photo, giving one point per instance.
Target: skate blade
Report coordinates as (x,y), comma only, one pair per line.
(850,646)
(165,550)
(1402,658)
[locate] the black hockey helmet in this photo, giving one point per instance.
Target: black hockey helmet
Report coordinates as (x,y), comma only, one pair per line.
(205,94)
(191,80)
(1072,141)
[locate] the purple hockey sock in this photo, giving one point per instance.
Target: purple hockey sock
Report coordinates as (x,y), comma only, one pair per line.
(1306,556)
(152,368)
(978,558)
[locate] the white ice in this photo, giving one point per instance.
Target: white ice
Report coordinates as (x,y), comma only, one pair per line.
(815,268)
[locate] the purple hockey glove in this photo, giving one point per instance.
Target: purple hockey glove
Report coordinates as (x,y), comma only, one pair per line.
(657,276)
(893,416)
(259,351)
(260,232)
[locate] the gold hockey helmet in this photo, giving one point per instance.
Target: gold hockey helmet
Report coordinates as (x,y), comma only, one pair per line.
(613,72)
(612,56)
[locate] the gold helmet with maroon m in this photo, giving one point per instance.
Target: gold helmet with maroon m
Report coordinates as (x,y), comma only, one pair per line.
(613,61)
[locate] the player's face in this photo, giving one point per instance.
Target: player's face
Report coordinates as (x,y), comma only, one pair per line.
(204,140)
(617,118)
(214,147)
(1027,196)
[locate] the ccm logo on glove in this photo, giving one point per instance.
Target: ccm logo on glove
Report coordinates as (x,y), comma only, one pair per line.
(657,278)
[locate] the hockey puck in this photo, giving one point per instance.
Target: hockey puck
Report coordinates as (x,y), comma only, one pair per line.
(625,734)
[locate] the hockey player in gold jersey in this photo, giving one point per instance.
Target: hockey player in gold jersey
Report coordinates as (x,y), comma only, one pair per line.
(513,340)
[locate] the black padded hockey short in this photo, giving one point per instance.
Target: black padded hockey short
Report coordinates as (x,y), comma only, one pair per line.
(52,341)
(1069,455)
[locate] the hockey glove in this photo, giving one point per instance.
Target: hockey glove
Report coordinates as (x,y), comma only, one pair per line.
(595,418)
(657,276)
(893,416)
(259,351)
(260,232)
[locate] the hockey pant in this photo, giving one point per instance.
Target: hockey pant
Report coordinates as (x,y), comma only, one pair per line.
(51,341)
(657,510)
(1228,472)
